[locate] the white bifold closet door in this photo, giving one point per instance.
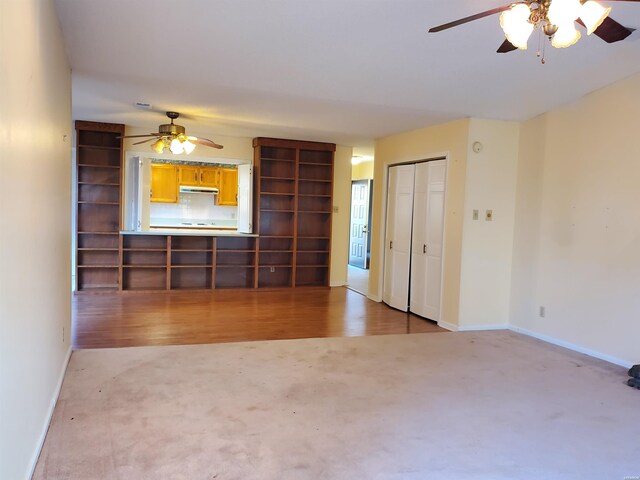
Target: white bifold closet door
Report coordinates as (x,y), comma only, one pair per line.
(413,243)
(398,237)
(426,250)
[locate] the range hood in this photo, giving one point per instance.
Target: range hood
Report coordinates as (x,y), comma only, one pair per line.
(191,189)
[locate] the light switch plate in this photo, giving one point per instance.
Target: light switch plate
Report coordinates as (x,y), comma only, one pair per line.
(489,216)
(335,209)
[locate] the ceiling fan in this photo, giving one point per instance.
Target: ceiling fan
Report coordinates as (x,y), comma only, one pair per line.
(173,137)
(556,19)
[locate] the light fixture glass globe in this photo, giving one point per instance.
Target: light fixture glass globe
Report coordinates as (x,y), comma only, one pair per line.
(563,12)
(158,146)
(188,146)
(516,26)
(176,147)
(566,36)
(592,15)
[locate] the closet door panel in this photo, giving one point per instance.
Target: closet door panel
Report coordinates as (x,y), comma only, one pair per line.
(426,260)
(398,236)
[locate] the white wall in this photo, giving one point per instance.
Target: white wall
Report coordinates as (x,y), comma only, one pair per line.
(485,277)
(35,238)
(340,219)
(577,235)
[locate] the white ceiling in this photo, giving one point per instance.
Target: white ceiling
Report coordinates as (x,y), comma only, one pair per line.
(345,71)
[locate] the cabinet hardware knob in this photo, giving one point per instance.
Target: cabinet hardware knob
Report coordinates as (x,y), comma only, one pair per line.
(391,245)
(424,249)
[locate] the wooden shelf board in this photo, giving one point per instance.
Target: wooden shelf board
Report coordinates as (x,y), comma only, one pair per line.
(275,266)
(144,266)
(224,265)
(100,249)
(270,159)
(97,203)
(143,289)
(98,233)
(315,163)
(100,184)
(145,249)
(191,250)
(98,166)
(313,238)
(313,251)
(312,266)
(289,179)
(313,195)
(280,194)
(276,236)
(315,180)
(99,147)
(314,211)
(275,251)
(97,266)
(277,211)
(190,266)
(86,287)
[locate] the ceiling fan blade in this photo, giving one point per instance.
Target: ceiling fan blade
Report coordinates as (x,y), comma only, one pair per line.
(506,47)
(471,18)
(611,31)
(205,142)
(140,136)
(144,141)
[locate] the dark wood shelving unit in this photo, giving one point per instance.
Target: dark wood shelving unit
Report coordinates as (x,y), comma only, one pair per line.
(294,190)
(98,174)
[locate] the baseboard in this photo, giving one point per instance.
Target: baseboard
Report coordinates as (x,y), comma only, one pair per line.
(375,298)
(571,346)
(481,328)
(337,284)
(52,406)
(448,326)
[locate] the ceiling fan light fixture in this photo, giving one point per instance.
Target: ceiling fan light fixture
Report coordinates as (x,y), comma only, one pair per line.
(593,14)
(566,36)
(176,147)
(516,25)
(158,146)
(188,146)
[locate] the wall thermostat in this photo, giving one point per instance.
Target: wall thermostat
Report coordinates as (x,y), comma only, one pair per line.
(477,147)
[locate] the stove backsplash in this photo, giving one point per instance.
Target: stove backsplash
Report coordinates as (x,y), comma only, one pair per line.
(191,206)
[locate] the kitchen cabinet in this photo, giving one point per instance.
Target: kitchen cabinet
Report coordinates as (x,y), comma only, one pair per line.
(193,176)
(164,183)
(228,187)
(189,175)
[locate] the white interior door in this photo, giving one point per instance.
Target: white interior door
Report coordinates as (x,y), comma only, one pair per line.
(397,259)
(245,198)
(359,230)
(428,227)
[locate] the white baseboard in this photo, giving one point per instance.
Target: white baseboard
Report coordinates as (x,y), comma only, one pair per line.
(338,284)
(481,328)
(448,326)
(52,406)
(375,298)
(571,346)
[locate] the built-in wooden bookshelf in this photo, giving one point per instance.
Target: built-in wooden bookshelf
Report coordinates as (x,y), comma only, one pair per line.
(98,160)
(294,190)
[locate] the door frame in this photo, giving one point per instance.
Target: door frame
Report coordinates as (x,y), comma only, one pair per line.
(383,231)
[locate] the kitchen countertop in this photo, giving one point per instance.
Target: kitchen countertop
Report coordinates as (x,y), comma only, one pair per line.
(189,232)
(193,223)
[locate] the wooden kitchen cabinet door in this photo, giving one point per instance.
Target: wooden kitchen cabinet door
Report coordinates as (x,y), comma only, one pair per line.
(228,187)
(164,183)
(189,175)
(210,177)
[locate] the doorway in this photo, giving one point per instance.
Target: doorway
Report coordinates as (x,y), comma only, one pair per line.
(414,237)
(359,235)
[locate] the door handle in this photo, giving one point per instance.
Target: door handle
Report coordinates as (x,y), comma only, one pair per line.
(391,245)
(424,249)
(200,177)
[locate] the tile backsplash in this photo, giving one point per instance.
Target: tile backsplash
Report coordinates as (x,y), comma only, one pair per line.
(192,206)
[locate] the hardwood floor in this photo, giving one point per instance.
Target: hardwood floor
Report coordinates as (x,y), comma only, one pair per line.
(179,318)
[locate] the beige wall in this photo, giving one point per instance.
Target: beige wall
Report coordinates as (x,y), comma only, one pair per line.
(485,279)
(362,171)
(35,237)
(340,220)
(450,139)
(577,232)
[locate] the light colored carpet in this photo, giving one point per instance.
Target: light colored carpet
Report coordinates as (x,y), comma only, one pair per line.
(358,279)
(487,405)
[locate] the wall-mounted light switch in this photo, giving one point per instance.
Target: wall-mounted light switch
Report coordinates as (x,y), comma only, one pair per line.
(335,209)
(489,215)
(475,214)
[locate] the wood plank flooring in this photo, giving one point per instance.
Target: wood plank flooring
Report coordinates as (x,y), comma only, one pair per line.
(180,318)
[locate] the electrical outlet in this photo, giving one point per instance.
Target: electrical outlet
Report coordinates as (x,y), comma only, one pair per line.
(543,311)
(489,216)
(272,269)
(475,214)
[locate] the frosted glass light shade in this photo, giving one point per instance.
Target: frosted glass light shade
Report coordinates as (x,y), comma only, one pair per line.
(188,146)
(592,15)
(516,26)
(563,12)
(158,146)
(176,147)
(566,36)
